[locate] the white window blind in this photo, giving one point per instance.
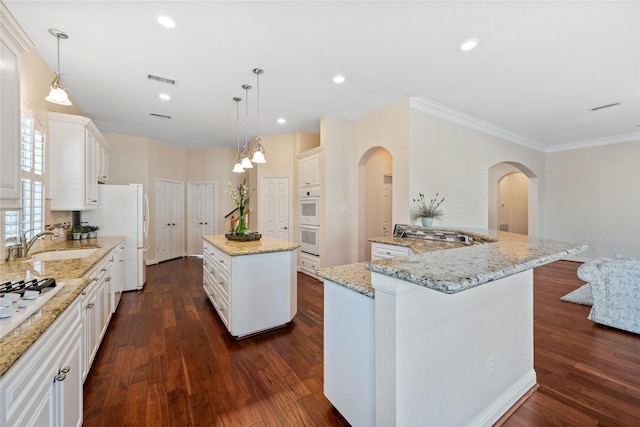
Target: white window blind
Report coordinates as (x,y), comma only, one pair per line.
(32,161)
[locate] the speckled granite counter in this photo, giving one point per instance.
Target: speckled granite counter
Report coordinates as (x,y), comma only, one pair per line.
(264,245)
(69,272)
(458,268)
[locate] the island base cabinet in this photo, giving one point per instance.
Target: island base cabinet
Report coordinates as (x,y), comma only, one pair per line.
(251,293)
(349,362)
(452,359)
(44,388)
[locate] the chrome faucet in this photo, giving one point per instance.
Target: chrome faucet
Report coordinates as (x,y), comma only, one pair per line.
(25,245)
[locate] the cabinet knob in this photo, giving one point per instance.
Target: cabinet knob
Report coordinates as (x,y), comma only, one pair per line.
(95,279)
(59,377)
(285,228)
(104,269)
(108,279)
(84,292)
(91,304)
(66,369)
(168,224)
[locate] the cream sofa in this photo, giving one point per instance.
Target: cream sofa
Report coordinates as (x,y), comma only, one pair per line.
(615,285)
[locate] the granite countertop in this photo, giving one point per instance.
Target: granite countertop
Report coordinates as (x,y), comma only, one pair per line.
(459,267)
(68,272)
(264,245)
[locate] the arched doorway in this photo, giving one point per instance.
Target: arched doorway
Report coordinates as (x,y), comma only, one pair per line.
(375,198)
(513,198)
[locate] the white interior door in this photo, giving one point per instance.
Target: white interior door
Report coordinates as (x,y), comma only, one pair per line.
(274,207)
(387,203)
(200,214)
(169,220)
(163,221)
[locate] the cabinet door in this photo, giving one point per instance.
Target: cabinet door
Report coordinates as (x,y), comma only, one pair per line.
(68,384)
(309,171)
(91,171)
(10,129)
(90,328)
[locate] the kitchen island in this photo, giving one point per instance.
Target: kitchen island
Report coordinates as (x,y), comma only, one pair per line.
(450,331)
(252,285)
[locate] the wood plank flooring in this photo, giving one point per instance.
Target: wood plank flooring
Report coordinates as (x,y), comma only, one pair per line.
(167,360)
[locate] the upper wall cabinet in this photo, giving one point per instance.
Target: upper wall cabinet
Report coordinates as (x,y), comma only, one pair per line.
(75,144)
(13,43)
(309,168)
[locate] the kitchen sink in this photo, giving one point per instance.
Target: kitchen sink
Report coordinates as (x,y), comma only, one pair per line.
(62,255)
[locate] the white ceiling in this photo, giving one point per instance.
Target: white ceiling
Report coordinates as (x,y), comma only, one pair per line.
(538,71)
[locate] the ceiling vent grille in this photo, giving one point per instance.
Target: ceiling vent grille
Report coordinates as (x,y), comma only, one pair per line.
(161,79)
(605,106)
(161,116)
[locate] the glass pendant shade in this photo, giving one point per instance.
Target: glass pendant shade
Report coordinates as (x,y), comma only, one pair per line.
(246,161)
(58,95)
(258,153)
(237,168)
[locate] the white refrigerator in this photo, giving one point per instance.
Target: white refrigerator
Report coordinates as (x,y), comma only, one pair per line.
(123,210)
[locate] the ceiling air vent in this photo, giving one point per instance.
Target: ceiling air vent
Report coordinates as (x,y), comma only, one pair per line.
(605,106)
(162,116)
(161,79)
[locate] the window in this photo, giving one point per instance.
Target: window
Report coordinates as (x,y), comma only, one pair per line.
(31,181)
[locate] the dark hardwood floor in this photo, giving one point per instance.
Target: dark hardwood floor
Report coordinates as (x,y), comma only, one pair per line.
(167,360)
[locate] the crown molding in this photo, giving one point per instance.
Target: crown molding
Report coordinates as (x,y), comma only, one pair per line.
(12,32)
(596,142)
(433,108)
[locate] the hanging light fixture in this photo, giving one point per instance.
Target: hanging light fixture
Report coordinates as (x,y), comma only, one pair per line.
(237,168)
(245,159)
(258,150)
(58,94)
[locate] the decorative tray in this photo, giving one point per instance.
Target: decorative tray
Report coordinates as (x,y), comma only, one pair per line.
(247,237)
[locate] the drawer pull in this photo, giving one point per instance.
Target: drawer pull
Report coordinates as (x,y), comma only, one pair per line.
(91,305)
(59,377)
(66,369)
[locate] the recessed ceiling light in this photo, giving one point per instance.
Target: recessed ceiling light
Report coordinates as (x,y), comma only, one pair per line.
(282,120)
(166,22)
(469,44)
(338,79)
(164,96)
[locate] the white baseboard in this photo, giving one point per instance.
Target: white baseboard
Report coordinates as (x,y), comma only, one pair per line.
(505,401)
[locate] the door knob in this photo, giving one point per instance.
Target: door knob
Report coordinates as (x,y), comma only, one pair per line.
(285,228)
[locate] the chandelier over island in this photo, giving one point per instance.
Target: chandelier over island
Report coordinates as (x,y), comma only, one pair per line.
(246,159)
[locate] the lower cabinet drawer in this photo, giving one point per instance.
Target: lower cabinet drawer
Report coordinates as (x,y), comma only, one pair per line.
(223,283)
(309,264)
(381,251)
(223,309)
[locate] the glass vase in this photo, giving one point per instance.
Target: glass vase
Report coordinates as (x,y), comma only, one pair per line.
(242,226)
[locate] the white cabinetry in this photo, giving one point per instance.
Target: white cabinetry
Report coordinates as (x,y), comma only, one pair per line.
(382,251)
(96,314)
(74,163)
(251,293)
(309,168)
(103,163)
(13,42)
(309,263)
(44,388)
(117,274)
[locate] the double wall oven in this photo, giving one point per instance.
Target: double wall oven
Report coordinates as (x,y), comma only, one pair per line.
(310,221)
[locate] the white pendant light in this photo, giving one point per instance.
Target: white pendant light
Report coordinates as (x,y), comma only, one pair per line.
(246,161)
(237,167)
(258,150)
(58,94)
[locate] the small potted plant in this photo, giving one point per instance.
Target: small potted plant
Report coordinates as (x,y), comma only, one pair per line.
(428,210)
(93,231)
(76,232)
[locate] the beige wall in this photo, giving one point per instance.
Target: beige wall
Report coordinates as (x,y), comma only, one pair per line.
(128,159)
(454,161)
(593,197)
(337,167)
(388,128)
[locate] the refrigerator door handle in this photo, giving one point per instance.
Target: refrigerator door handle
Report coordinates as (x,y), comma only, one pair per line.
(146,216)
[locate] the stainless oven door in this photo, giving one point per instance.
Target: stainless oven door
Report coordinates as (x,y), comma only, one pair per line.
(310,239)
